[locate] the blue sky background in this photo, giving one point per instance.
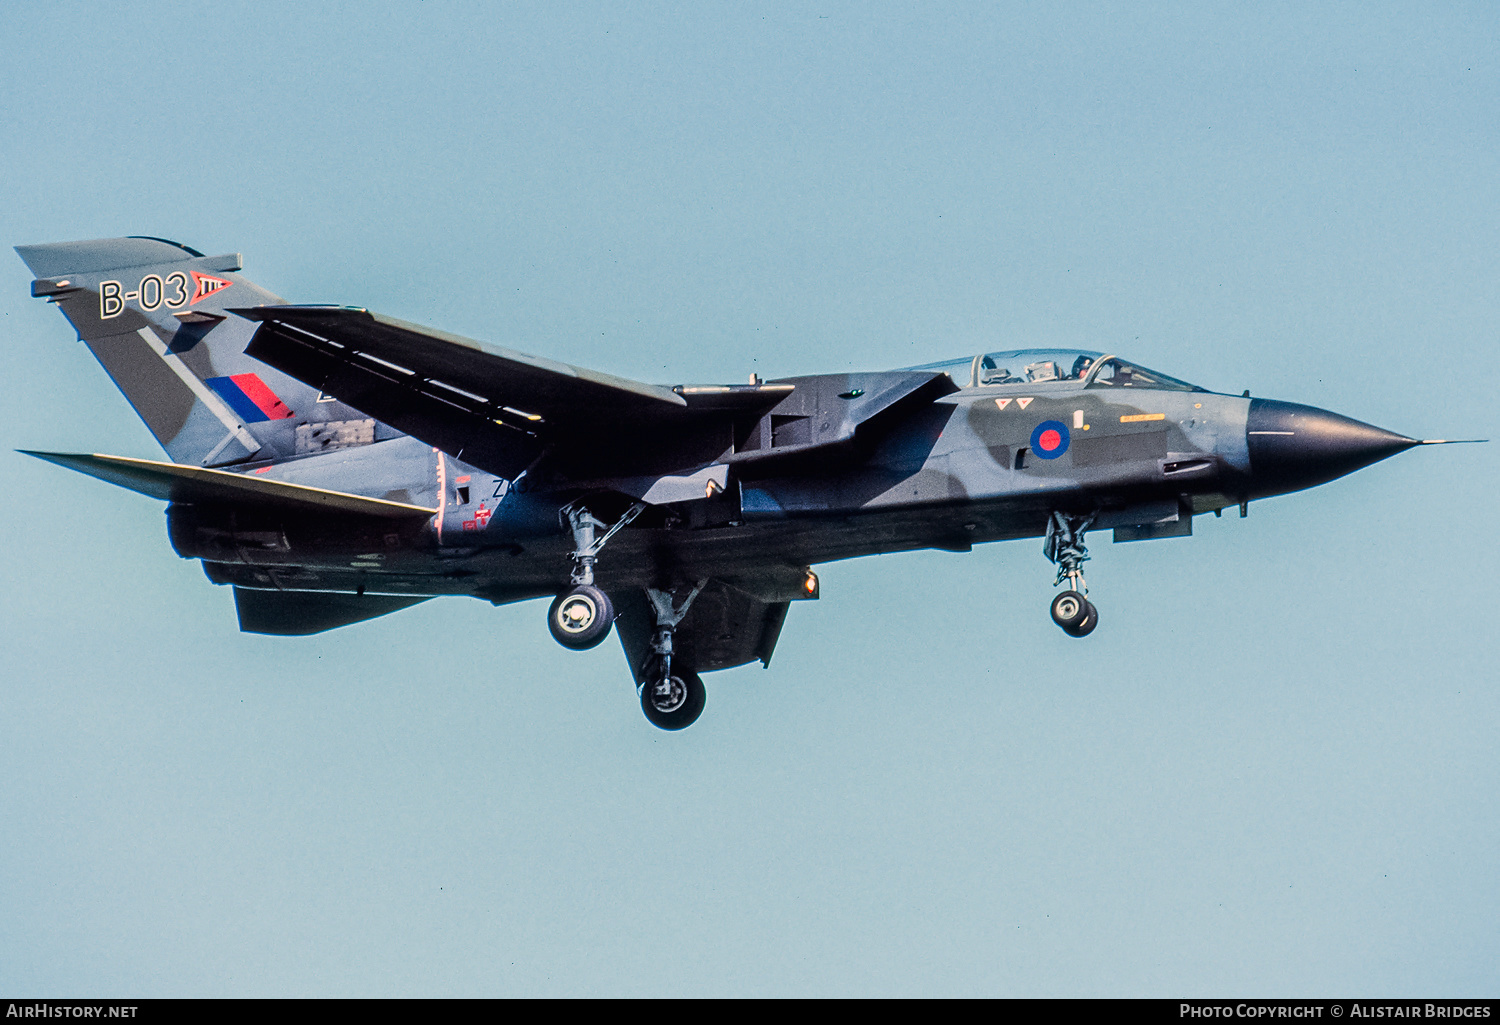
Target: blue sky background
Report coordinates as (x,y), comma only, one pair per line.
(1272,769)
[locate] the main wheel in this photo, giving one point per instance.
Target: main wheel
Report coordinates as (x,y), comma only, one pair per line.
(1069,609)
(676,703)
(581,618)
(1086,625)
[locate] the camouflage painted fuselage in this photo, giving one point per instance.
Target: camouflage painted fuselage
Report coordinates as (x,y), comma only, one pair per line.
(958,473)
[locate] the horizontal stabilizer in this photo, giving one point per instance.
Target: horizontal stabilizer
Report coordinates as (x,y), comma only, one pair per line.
(176,483)
(299,613)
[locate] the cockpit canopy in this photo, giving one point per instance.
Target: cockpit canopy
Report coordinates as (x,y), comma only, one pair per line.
(1047,366)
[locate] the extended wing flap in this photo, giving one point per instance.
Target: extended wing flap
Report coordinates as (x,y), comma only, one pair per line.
(176,483)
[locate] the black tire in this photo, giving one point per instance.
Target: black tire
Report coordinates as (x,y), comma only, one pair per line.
(681,708)
(1069,609)
(1085,626)
(580,619)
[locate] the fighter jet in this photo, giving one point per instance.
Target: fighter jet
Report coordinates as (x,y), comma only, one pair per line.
(332,465)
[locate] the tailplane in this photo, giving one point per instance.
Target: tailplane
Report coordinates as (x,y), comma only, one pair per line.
(154,314)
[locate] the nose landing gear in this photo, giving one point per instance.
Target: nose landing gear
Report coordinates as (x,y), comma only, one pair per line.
(1075,614)
(1071,609)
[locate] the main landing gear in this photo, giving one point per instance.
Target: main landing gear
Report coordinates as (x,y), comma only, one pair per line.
(672,695)
(580,618)
(1071,609)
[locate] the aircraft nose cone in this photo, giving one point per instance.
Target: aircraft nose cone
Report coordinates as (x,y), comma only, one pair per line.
(1294,446)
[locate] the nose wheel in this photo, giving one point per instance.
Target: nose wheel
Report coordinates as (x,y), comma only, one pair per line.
(1071,609)
(1075,614)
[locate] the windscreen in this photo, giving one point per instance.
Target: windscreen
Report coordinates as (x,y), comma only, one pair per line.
(1118,373)
(1041,366)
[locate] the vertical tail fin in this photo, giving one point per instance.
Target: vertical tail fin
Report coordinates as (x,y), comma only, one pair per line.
(153,313)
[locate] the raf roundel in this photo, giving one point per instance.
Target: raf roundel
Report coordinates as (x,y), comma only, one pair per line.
(1050,439)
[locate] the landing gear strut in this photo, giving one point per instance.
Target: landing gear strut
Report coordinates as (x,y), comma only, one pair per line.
(1071,609)
(580,618)
(672,695)
(586,544)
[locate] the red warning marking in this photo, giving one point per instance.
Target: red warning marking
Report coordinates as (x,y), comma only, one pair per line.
(207,285)
(480,521)
(1049,441)
(1023,403)
(1002,403)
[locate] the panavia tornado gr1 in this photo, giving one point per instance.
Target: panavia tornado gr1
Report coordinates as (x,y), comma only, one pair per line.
(333,465)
